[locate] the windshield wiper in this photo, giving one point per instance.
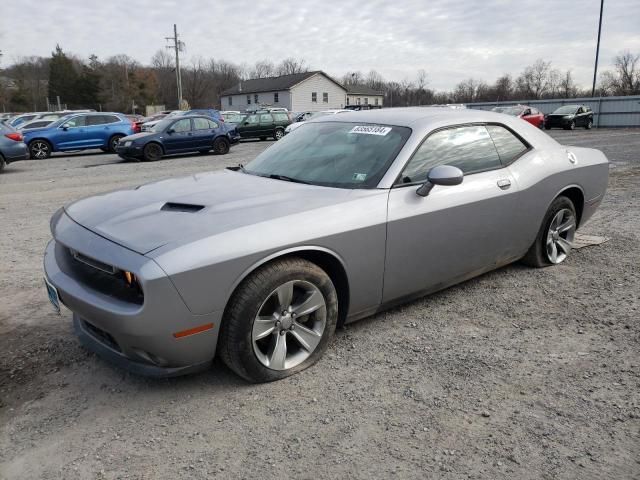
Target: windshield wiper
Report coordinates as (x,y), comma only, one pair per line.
(277,176)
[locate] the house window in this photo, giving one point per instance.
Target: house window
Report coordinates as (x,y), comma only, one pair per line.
(275,97)
(377,100)
(314,97)
(325,97)
(248,99)
(255,98)
(230,101)
(358,101)
(347,100)
(366,100)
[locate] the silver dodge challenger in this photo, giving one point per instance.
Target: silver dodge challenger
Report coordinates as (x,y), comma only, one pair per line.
(346,216)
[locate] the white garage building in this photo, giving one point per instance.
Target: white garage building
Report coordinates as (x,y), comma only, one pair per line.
(299,92)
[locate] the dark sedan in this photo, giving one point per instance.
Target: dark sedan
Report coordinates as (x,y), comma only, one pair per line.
(570,117)
(195,133)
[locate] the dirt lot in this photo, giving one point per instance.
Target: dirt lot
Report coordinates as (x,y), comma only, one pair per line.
(521,373)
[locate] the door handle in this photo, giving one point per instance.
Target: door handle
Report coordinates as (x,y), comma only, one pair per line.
(504,183)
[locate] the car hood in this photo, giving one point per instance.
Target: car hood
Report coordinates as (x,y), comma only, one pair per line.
(182,210)
(138,136)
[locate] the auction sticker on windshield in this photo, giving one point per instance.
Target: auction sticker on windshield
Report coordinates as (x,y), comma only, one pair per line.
(370,130)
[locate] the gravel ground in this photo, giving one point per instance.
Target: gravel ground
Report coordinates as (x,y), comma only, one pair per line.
(520,373)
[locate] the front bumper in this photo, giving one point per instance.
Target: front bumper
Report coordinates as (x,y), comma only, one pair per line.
(557,122)
(136,336)
(129,152)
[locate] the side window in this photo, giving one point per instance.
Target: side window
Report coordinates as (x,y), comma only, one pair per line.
(468,148)
(230,100)
(579,111)
(203,124)
(95,120)
(314,96)
(252,119)
(508,145)
(76,122)
(255,98)
(280,117)
(266,118)
(275,97)
(182,126)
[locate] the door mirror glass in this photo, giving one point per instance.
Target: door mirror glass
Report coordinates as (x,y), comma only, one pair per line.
(441,175)
(170,131)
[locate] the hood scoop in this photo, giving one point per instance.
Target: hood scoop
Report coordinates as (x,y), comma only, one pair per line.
(181,207)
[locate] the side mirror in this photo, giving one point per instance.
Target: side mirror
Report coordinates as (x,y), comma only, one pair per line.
(170,131)
(65,127)
(440,175)
(246,123)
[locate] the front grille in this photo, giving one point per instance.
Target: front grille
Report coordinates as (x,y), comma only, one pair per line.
(97,275)
(101,336)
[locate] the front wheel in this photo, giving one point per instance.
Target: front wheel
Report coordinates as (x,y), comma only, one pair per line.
(279,321)
(40,149)
(152,152)
(221,146)
(588,125)
(2,163)
(279,134)
(555,237)
(113,142)
(572,125)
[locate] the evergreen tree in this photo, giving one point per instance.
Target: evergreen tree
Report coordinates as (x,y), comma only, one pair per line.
(63,78)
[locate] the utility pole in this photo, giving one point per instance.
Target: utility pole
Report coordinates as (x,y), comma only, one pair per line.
(595,69)
(178,47)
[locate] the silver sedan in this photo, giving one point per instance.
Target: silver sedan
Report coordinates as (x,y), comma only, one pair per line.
(348,216)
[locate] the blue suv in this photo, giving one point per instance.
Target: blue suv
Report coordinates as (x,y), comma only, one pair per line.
(78,132)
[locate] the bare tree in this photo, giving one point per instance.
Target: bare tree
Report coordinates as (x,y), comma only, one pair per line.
(567,86)
(262,69)
(291,65)
(533,82)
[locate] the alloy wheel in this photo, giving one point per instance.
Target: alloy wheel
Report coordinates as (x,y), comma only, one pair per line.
(39,150)
(560,235)
(279,134)
(289,325)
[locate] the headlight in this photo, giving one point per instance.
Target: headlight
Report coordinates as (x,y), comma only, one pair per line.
(128,144)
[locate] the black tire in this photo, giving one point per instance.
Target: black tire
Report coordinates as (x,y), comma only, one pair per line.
(537,256)
(279,133)
(541,125)
(589,124)
(263,139)
(571,126)
(152,152)
(547,127)
(221,146)
(39,149)
(235,344)
(113,142)
(2,163)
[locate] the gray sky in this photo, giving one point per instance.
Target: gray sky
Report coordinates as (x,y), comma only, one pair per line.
(451,39)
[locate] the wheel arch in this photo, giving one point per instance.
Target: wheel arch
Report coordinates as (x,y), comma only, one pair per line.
(327,259)
(157,143)
(576,195)
(43,139)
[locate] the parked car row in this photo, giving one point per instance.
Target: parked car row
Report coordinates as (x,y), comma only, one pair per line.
(567,116)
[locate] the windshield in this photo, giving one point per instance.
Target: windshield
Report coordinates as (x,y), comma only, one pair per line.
(162,124)
(233,117)
(515,111)
(333,154)
(567,109)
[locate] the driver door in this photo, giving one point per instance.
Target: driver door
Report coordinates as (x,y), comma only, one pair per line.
(71,134)
(181,139)
(455,232)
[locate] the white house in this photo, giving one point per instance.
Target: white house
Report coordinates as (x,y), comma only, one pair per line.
(299,92)
(363,95)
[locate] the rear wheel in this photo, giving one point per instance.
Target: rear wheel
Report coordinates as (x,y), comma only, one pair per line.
(152,152)
(555,237)
(39,149)
(279,321)
(113,142)
(221,146)
(279,134)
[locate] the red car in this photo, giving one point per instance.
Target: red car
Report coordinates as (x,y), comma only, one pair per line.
(533,116)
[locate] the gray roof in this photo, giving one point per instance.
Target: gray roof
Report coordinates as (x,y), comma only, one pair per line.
(362,90)
(272,84)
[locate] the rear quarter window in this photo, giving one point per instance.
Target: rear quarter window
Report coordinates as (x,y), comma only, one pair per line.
(509,146)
